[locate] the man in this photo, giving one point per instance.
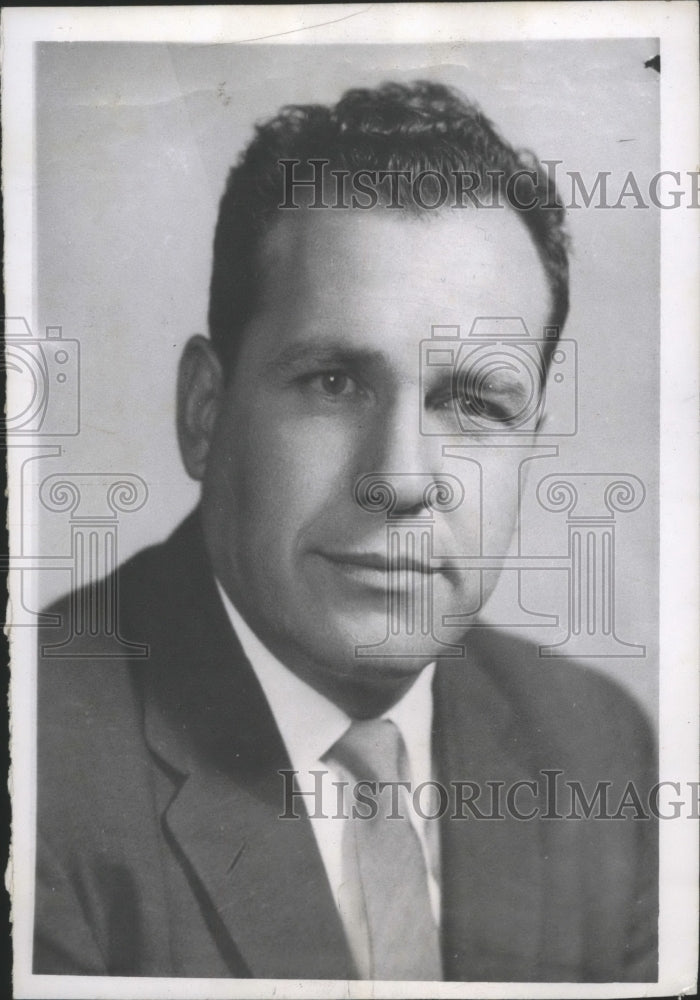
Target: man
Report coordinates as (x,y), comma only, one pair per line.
(183,806)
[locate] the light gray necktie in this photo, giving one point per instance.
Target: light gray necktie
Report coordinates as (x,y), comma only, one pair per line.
(403,941)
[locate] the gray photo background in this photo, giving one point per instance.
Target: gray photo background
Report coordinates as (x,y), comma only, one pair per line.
(133,145)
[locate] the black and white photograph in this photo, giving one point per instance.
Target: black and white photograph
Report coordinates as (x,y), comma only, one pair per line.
(351,430)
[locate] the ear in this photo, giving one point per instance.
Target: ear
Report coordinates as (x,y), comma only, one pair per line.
(200,390)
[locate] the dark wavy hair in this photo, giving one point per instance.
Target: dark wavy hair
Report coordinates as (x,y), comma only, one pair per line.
(423,126)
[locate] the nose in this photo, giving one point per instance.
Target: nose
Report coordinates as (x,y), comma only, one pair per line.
(400,496)
(402,473)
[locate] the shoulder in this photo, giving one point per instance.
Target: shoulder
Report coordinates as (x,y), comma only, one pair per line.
(109,622)
(82,661)
(89,707)
(537,684)
(562,708)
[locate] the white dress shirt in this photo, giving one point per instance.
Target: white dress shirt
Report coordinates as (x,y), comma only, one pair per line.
(310,724)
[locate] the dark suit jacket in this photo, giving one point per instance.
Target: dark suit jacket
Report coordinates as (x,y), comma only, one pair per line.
(160,850)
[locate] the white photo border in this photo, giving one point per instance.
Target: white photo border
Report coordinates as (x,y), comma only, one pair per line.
(675,24)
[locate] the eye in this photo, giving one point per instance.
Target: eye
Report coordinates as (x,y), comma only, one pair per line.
(333,384)
(497,392)
(491,405)
(485,401)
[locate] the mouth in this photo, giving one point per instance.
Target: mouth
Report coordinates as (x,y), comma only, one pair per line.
(376,570)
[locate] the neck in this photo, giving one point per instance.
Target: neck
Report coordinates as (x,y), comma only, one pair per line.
(364,698)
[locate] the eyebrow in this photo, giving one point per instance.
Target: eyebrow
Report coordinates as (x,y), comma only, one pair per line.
(296,356)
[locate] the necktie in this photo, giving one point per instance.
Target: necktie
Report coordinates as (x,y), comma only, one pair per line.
(384,855)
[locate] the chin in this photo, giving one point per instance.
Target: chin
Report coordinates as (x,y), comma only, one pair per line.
(367,658)
(366,686)
(391,669)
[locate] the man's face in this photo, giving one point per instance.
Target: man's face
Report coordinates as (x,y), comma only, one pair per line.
(327,389)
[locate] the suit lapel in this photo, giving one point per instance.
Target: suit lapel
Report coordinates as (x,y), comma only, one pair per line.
(207,719)
(264,878)
(491,867)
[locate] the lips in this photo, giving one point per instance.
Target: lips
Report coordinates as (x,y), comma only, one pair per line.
(377,561)
(375,570)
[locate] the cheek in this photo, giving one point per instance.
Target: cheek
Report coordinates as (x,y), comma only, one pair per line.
(283,477)
(487,517)
(501,502)
(498,528)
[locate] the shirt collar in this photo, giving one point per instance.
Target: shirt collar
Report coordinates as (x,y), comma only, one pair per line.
(310,723)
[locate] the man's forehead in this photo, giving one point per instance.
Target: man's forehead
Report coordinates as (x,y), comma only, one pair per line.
(469,227)
(448,266)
